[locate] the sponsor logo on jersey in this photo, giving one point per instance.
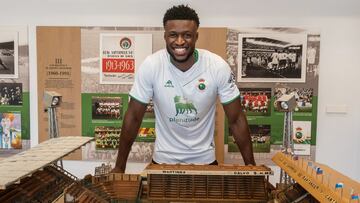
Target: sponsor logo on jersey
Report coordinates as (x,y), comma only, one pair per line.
(168,84)
(185,111)
(183,106)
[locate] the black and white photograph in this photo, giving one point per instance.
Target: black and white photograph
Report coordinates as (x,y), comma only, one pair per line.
(313,55)
(11,94)
(107,107)
(256,101)
(272,58)
(8,54)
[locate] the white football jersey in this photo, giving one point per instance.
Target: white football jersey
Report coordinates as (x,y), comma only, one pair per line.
(184,104)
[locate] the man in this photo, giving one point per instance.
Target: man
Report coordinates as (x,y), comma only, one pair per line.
(183,83)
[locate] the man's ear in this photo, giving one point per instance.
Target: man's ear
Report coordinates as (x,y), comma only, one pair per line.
(197,35)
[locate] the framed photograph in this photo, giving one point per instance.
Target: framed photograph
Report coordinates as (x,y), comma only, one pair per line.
(260,138)
(303,97)
(10,131)
(8,54)
(272,58)
(11,94)
(256,101)
(107,137)
(108,108)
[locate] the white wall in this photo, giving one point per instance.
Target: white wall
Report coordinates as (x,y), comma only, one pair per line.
(338,135)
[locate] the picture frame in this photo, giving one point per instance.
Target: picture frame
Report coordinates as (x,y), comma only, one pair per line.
(9,55)
(10,130)
(11,94)
(256,101)
(107,108)
(272,58)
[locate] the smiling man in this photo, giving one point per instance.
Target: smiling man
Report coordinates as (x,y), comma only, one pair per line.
(184,84)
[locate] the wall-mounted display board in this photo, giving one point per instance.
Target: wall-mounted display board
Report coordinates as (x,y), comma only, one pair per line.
(14,90)
(102,109)
(58,52)
(271,62)
(98,44)
(109,59)
(267,62)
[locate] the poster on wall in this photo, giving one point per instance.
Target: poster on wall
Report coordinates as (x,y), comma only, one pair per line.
(14,79)
(58,60)
(8,54)
(302,137)
(10,131)
(121,54)
(272,57)
(285,60)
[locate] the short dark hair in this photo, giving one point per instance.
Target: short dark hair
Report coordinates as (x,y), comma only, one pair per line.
(181,12)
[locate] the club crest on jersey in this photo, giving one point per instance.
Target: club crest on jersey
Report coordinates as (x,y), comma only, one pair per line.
(201,85)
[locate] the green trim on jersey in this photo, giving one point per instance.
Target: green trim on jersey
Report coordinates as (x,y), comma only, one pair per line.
(228,102)
(137,100)
(196,55)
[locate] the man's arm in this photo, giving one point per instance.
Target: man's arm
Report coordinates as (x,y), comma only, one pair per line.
(129,130)
(240,130)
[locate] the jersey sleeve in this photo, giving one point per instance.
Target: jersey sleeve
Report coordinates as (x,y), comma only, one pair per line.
(142,89)
(227,89)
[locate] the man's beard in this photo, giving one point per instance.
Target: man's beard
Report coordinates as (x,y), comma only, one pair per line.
(177,60)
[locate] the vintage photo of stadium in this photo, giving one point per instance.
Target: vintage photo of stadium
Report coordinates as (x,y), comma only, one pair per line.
(8,54)
(107,107)
(256,101)
(272,57)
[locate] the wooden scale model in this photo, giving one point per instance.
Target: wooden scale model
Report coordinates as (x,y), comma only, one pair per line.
(35,176)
